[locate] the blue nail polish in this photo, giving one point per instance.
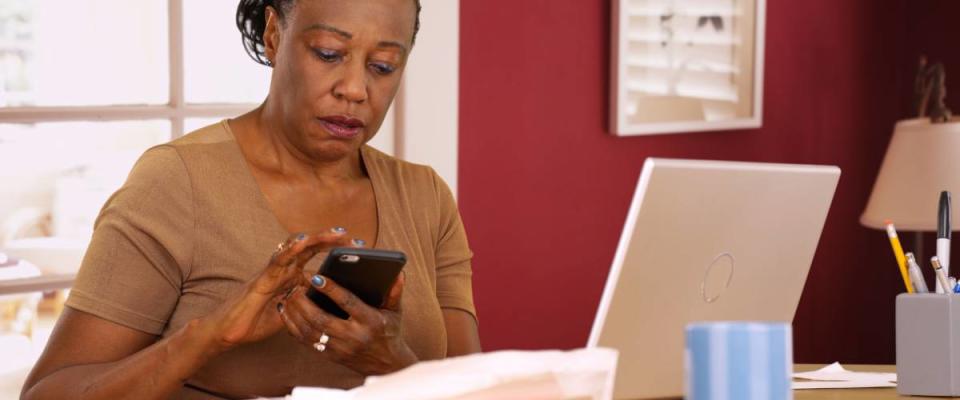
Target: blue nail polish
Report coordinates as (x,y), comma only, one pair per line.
(301,236)
(359,242)
(318,281)
(339,229)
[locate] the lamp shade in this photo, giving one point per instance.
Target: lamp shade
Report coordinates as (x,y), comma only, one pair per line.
(923,159)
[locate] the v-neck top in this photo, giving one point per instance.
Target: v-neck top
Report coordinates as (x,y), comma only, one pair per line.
(191,226)
(364,156)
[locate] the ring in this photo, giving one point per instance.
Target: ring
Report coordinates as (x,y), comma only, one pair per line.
(280,248)
(321,344)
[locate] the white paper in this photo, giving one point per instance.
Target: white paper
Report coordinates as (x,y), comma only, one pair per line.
(834,376)
(529,375)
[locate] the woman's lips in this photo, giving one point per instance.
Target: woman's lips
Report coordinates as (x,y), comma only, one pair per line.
(342,127)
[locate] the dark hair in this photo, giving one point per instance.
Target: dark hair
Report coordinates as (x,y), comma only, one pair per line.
(252,21)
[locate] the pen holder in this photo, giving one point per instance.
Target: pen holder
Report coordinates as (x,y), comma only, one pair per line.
(928,344)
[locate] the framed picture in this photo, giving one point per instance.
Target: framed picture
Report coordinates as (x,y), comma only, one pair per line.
(686,65)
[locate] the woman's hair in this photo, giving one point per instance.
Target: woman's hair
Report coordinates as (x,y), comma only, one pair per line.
(252,21)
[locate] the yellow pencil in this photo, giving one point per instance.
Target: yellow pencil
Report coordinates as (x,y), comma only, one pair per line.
(898,253)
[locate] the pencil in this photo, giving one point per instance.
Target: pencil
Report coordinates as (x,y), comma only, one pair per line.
(898,253)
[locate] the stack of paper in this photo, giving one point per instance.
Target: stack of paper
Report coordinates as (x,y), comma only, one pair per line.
(530,375)
(834,376)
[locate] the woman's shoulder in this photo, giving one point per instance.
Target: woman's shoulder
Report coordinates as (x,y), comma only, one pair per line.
(400,171)
(207,159)
(415,185)
(173,151)
(210,134)
(198,150)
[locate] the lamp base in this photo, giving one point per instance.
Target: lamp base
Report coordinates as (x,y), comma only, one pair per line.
(918,247)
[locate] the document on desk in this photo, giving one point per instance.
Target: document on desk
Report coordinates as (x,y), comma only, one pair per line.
(834,376)
(585,374)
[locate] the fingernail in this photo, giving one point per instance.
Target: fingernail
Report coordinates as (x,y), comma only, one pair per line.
(301,236)
(339,229)
(359,242)
(318,281)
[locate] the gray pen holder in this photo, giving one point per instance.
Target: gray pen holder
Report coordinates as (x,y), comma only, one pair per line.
(928,344)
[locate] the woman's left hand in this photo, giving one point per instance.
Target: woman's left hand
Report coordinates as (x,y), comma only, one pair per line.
(370,342)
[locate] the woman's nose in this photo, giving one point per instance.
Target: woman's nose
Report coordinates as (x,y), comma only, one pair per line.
(352,86)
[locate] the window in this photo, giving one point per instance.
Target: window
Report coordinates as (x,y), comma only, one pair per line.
(85,87)
(89,84)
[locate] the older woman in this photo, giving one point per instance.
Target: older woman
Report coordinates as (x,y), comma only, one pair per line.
(184,291)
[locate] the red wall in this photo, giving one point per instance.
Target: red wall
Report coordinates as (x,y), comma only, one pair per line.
(930,27)
(544,189)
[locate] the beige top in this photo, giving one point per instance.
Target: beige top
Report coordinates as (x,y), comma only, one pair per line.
(190,226)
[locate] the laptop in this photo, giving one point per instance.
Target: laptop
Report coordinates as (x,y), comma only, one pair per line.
(706,241)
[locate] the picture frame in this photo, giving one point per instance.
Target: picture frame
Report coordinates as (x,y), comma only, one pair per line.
(686,66)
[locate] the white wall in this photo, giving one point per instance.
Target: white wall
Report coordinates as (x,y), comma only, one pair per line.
(428,103)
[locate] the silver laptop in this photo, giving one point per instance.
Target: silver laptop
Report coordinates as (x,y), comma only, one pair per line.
(705,241)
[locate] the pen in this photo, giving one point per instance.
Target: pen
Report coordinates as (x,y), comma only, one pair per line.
(916,276)
(941,275)
(898,253)
(943,232)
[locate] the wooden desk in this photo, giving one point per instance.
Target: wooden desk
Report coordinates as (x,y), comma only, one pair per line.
(849,394)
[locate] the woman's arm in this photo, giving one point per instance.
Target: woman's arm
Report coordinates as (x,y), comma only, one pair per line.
(454,276)
(463,336)
(88,357)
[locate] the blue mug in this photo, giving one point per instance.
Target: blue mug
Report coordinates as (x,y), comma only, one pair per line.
(738,361)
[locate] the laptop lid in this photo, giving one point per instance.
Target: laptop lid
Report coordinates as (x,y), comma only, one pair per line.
(705,241)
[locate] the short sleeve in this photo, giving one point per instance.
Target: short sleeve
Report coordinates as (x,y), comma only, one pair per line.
(453,255)
(141,247)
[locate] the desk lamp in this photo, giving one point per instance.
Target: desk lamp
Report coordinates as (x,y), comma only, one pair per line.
(922,160)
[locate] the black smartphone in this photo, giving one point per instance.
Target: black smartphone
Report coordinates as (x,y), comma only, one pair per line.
(369,274)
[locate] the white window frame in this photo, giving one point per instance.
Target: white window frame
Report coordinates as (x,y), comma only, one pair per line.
(177,110)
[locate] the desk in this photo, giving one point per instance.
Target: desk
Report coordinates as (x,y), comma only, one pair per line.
(849,394)
(840,394)
(811,394)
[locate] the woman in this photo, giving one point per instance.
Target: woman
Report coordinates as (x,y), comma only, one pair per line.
(184,291)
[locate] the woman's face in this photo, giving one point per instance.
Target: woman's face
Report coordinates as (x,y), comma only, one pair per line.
(336,68)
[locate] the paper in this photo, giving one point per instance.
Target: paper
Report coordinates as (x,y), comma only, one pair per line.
(834,376)
(530,375)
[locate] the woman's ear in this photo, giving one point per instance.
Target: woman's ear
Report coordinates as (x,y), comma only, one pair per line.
(271,35)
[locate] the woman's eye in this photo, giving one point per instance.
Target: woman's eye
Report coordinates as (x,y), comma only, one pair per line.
(327,55)
(382,69)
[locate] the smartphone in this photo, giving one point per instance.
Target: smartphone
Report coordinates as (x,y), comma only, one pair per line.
(369,274)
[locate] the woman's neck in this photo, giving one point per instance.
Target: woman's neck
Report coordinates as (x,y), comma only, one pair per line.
(268,147)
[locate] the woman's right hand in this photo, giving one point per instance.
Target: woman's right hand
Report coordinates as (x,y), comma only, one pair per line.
(252,315)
